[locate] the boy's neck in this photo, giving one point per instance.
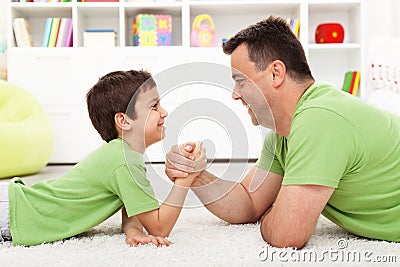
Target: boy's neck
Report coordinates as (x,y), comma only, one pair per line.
(135,144)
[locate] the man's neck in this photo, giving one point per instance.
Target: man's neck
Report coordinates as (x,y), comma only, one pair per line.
(293,95)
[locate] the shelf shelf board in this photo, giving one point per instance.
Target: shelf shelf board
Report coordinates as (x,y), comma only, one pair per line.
(334,46)
(43,9)
(244,7)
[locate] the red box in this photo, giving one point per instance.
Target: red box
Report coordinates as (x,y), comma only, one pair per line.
(329,33)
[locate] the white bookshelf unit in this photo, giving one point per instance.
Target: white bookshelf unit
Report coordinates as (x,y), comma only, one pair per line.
(60,77)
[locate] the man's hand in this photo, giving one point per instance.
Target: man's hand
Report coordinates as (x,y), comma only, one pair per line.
(134,238)
(188,158)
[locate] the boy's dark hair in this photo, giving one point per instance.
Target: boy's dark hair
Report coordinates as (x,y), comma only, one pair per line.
(115,92)
(271,39)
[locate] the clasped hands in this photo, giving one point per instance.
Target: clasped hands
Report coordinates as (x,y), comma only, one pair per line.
(186,161)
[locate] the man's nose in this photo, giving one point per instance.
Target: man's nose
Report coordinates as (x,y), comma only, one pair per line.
(235,95)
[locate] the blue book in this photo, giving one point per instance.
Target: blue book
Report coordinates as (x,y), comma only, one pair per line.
(47,29)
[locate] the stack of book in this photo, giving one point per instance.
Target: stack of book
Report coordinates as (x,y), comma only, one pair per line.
(294,25)
(351,82)
(43,1)
(57,32)
(98,0)
(22,32)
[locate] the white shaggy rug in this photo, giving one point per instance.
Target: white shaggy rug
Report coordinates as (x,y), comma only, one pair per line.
(201,239)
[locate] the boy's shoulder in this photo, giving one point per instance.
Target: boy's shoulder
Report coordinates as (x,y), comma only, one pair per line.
(115,152)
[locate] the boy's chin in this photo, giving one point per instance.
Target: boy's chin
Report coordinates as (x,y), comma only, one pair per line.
(161,137)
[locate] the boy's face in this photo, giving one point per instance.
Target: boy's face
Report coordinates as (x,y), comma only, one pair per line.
(150,116)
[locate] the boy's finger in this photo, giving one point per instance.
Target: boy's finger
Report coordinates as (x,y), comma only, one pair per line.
(185,150)
(154,241)
(188,147)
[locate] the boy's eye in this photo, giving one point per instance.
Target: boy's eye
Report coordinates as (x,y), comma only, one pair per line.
(155,106)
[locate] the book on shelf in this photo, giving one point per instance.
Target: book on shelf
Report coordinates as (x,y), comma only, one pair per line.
(351,82)
(53,32)
(22,32)
(57,32)
(47,29)
(62,31)
(100,1)
(99,38)
(294,25)
(43,1)
(68,35)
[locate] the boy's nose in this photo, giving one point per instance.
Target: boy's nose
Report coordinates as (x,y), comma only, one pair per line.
(164,113)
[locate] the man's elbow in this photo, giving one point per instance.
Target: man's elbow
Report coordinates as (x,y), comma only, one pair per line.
(287,240)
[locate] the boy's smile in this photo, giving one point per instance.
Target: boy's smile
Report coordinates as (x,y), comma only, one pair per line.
(153,114)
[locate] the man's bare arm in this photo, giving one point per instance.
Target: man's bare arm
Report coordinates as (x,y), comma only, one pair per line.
(238,202)
(293,217)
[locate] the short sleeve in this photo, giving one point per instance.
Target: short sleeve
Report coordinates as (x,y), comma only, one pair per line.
(134,189)
(322,146)
(268,159)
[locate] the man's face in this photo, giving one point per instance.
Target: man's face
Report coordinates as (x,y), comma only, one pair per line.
(250,87)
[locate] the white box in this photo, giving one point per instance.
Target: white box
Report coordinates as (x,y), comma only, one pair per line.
(99,39)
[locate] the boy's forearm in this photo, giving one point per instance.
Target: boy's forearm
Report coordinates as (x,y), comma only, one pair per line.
(169,211)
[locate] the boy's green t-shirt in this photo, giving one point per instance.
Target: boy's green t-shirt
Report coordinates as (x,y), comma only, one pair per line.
(339,141)
(110,177)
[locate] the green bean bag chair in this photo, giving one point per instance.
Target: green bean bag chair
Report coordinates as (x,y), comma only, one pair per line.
(26,137)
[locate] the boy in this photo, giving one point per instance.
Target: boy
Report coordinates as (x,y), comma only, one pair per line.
(124,107)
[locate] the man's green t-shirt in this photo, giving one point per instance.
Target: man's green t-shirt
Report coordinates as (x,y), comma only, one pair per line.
(110,177)
(337,140)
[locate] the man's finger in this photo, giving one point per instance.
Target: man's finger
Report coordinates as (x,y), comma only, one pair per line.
(180,167)
(175,157)
(184,150)
(175,173)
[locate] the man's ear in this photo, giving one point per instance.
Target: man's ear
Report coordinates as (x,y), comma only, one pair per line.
(122,121)
(278,71)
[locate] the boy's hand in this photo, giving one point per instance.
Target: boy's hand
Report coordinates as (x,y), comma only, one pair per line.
(184,160)
(134,238)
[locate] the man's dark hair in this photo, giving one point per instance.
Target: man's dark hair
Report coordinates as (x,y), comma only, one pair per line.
(115,92)
(271,39)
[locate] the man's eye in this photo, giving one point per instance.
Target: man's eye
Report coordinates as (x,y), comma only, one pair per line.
(238,82)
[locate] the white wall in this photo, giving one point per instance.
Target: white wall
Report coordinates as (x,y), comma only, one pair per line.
(381,19)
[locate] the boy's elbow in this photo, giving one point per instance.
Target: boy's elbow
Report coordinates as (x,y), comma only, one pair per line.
(159,232)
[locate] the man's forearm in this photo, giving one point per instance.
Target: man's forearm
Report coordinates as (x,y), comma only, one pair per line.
(227,200)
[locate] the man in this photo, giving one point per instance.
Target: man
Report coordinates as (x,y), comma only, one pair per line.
(330,152)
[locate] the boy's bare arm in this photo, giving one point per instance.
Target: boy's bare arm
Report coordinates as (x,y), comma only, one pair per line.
(161,221)
(133,230)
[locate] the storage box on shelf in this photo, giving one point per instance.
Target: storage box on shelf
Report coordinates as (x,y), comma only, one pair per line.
(60,77)
(330,62)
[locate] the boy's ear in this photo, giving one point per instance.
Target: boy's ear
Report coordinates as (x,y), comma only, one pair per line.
(122,122)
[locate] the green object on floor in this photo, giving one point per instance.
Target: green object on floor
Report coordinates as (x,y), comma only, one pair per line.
(26,136)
